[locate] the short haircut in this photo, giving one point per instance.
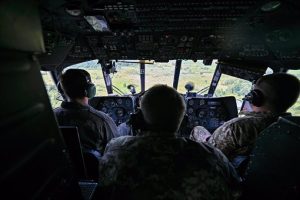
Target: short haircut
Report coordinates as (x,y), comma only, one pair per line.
(163,108)
(281,91)
(74,82)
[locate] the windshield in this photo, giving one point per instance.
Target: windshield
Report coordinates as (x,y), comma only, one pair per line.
(198,73)
(129,74)
(163,73)
(232,86)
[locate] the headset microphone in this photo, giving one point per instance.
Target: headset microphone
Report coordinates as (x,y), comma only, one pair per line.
(255,97)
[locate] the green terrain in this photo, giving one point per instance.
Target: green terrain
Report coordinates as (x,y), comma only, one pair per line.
(162,73)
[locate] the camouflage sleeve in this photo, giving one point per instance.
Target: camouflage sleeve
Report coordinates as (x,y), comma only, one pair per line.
(224,139)
(224,167)
(111,161)
(199,134)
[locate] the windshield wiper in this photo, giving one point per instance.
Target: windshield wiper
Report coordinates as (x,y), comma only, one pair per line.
(117,90)
(203,90)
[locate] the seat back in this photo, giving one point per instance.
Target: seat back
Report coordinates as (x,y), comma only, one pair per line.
(92,165)
(73,144)
(274,166)
(33,162)
(85,163)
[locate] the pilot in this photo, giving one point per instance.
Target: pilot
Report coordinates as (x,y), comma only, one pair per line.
(157,165)
(271,96)
(95,128)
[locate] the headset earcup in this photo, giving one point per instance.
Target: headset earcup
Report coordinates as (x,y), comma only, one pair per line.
(137,120)
(90,90)
(257,98)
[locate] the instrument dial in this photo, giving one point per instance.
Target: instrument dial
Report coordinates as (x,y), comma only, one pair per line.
(202,102)
(191,102)
(120,112)
(119,101)
(184,38)
(201,113)
(128,102)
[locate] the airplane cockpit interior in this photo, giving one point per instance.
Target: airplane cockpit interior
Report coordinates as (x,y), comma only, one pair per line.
(188,43)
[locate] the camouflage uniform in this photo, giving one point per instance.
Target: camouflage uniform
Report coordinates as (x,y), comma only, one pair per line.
(236,137)
(95,128)
(156,166)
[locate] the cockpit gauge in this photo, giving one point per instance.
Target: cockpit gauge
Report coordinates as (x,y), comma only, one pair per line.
(104,109)
(184,38)
(128,102)
(119,101)
(191,39)
(106,103)
(190,110)
(120,112)
(201,113)
(202,102)
(191,102)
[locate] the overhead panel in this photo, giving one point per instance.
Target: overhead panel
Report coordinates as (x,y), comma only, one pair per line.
(252,30)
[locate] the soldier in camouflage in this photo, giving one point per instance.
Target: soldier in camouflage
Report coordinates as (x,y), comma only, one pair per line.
(157,165)
(270,98)
(236,137)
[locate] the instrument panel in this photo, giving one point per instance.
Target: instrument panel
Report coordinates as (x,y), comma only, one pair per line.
(201,111)
(210,112)
(118,108)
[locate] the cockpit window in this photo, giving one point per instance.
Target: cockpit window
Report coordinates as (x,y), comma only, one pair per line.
(95,71)
(232,86)
(295,109)
(160,73)
(198,73)
(163,73)
(54,96)
(128,73)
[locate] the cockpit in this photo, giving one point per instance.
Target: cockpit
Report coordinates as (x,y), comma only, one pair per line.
(211,52)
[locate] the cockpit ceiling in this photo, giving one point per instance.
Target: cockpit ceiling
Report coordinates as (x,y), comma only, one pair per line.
(253,31)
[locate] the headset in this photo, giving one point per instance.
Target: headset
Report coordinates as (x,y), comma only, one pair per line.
(136,119)
(89,87)
(255,97)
